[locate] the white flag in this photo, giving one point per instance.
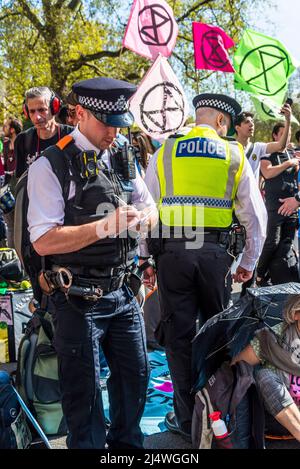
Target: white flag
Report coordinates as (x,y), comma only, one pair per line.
(159,106)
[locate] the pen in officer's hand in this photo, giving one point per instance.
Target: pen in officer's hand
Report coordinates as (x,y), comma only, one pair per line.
(124,204)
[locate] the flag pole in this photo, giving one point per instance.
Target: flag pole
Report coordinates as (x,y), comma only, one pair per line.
(197,81)
(298,213)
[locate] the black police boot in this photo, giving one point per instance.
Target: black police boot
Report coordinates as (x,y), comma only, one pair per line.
(172,425)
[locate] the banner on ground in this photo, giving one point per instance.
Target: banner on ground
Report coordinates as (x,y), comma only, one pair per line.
(210,48)
(263,66)
(160,106)
(151,29)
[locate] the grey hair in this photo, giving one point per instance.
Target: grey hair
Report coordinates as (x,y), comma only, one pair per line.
(39,92)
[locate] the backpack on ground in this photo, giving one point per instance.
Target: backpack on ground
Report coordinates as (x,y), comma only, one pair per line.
(231,391)
(14,431)
(37,374)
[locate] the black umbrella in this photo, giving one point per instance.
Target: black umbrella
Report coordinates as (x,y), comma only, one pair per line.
(223,336)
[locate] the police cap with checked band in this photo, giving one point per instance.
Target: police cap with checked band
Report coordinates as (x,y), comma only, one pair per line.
(107,99)
(222,103)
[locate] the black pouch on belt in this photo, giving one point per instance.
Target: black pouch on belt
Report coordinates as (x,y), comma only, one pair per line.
(134,282)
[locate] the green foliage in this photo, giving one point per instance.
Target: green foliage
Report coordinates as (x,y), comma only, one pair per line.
(57,42)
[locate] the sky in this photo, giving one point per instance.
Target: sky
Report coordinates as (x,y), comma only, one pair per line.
(286,24)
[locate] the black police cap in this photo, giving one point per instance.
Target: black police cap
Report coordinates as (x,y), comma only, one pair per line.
(222,103)
(107,99)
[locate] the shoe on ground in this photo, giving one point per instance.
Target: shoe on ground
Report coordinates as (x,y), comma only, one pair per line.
(172,426)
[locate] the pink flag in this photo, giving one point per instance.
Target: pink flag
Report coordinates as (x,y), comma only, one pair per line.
(151,29)
(159,106)
(210,48)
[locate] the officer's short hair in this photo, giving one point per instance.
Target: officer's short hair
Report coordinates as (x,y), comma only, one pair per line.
(297,135)
(39,92)
(242,117)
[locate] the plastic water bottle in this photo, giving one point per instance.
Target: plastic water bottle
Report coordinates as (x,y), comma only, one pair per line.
(218,425)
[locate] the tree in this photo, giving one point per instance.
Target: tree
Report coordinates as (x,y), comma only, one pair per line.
(57,42)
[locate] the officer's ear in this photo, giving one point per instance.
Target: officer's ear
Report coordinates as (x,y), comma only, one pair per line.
(81,112)
(220,119)
(222,123)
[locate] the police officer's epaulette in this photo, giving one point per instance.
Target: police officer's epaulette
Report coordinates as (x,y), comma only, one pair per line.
(64,142)
(229,139)
(176,135)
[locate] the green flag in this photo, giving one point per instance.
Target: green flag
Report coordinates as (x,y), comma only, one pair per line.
(263,66)
(268,110)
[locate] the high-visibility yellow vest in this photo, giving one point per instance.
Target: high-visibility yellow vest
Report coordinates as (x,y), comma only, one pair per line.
(199,175)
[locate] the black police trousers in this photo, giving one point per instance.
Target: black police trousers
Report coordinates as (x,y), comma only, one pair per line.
(115,321)
(193,284)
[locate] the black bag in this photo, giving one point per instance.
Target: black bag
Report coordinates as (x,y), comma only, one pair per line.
(231,391)
(14,431)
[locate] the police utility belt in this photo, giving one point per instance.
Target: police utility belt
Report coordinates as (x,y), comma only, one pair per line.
(72,283)
(233,240)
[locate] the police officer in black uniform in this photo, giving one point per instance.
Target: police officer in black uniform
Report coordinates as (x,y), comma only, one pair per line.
(81,195)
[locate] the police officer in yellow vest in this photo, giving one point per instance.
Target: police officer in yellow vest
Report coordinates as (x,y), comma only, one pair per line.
(199,180)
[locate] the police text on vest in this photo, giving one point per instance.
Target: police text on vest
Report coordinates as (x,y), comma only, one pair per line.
(201,147)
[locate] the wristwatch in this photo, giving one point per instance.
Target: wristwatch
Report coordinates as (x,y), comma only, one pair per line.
(297,197)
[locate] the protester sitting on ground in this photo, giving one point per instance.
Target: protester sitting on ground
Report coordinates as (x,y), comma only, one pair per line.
(277,352)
